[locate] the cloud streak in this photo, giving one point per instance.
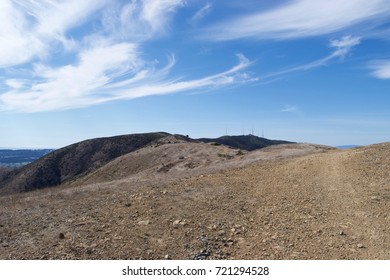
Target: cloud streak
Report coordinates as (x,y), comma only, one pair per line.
(108,62)
(343,47)
(29,27)
(199,15)
(103,74)
(299,19)
(380,69)
(290,109)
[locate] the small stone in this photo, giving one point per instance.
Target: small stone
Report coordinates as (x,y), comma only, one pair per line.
(176,223)
(61,236)
(167,257)
(360,246)
(144,223)
(342,232)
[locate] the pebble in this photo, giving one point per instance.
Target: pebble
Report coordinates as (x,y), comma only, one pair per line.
(144,223)
(360,246)
(176,223)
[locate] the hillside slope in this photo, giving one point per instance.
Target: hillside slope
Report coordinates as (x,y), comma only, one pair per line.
(73,161)
(244,142)
(171,158)
(328,204)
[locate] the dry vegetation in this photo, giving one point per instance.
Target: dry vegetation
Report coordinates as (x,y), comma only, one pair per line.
(183,200)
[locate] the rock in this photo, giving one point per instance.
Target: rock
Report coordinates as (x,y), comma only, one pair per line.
(342,232)
(202,255)
(178,223)
(360,246)
(167,257)
(144,223)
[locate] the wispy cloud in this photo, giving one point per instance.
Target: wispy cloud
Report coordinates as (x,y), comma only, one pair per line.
(104,74)
(29,28)
(108,62)
(139,20)
(290,109)
(200,14)
(299,19)
(380,69)
(342,46)
(156,12)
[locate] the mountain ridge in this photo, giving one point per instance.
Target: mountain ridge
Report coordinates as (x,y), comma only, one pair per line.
(79,159)
(72,161)
(246,142)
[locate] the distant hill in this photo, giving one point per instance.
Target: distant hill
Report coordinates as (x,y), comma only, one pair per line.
(72,161)
(77,160)
(19,157)
(244,142)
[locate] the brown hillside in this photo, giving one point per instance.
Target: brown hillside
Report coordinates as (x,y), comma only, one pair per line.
(73,161)
(285,202)
(173,157)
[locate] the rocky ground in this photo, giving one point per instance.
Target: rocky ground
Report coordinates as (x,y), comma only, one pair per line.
(284,202)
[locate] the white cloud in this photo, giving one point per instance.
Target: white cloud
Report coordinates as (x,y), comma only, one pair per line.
(290,108)
(380,69)
(17,44)
(199,15)
(54,18)
(14,83)
(139,20)
(300,18)
(156,12)
(342,47)
(108,62)
(103,74)
(30,28)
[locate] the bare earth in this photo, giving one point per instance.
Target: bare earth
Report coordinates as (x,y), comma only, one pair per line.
(180,200)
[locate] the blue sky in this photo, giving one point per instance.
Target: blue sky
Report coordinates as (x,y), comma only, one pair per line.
(299,70)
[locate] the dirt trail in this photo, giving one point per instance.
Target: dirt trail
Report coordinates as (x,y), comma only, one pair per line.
(327,205)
